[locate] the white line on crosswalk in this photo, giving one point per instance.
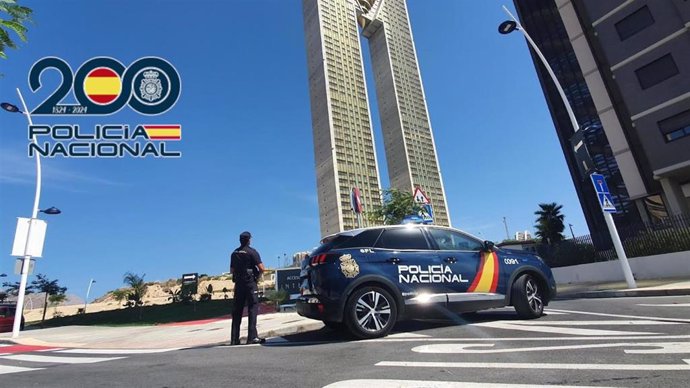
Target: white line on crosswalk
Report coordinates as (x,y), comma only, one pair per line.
(624,316)
(15,369)
(58,359)
(658,348)
(115,351)
(621,322)
(557,330)
(541,366)
(385,383)
(665,305)
(611,338)
(407,335)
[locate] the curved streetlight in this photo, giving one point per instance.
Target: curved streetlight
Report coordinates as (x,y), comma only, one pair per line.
(34,215)
(509,26)
(88,290)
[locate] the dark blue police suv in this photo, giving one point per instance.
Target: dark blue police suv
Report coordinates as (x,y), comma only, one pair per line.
(364,280)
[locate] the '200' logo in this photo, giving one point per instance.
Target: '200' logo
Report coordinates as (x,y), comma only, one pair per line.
(103,86)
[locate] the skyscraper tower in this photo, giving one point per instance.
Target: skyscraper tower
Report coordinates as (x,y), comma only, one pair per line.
(343,138)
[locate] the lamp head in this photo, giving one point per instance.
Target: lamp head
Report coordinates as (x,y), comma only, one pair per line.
(51,211)
(507,27)
(10,107)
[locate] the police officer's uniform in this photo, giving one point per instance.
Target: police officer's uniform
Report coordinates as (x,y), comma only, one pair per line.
(244,262)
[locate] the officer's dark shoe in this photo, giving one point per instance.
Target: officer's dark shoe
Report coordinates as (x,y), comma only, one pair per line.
(256,340)
(235,342)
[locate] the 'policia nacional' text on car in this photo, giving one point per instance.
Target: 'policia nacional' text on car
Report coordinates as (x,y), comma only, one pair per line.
(364,280)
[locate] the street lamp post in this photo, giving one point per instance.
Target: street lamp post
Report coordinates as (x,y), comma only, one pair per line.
(34,215)
(88,290)
(509,26)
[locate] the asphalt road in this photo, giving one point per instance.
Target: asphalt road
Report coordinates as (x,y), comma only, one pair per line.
(631,342)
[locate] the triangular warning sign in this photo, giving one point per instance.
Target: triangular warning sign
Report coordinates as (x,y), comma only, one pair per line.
(420,197)
(607,203)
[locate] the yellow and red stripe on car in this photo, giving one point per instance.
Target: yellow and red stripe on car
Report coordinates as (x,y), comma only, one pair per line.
(486,279)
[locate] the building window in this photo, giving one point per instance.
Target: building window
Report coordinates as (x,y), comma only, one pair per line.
(634,23)
(675,127)
(657,71)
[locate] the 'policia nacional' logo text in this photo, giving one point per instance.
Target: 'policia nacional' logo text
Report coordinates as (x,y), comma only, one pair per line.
(428,274)
(103,141)
(103,86)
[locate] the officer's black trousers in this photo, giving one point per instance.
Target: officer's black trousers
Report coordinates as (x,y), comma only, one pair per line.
(245,294)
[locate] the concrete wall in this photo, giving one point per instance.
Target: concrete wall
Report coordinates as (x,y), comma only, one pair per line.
(648,267)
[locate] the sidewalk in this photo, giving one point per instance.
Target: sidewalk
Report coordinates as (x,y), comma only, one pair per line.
(168,336)
(647,287)
(217,331)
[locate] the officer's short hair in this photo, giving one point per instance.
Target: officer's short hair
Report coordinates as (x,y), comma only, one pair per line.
(245,236)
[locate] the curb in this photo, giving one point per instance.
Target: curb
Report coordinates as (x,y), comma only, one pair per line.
(623,294)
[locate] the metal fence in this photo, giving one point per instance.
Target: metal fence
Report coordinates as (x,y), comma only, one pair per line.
(671,234)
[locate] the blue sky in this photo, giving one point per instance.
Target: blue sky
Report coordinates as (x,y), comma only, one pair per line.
(247,160)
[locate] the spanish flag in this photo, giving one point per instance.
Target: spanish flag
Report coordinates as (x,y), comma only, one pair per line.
(164,132)
(102,85)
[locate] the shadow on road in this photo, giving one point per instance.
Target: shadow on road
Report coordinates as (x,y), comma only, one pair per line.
(329,336)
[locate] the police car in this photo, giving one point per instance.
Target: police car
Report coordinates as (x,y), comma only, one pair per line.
(364,280)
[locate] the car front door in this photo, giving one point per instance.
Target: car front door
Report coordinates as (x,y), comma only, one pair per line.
(471,275)
(409,262)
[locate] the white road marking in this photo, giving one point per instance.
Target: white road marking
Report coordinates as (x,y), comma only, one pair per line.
(58,359)
(625,316)
(611,338)
(115,351)
(15,369)
(540,366)
(621,322)
(666,348)
(407,335)
(557,330)
(665,305)
(385,383)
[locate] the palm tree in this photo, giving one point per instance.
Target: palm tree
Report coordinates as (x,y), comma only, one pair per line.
(49,287)
(138,289)
(13,17)
(549,224)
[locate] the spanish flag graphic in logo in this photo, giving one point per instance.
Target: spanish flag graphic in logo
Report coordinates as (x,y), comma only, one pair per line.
(487,275)
(102,85)
(164,132)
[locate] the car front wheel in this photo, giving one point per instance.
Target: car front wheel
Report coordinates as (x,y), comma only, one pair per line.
(528,297)
(370,312)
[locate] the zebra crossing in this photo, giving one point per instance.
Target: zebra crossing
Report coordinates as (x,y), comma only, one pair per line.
(665,341)
(20,358)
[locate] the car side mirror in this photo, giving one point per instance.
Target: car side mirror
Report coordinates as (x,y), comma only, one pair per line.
(488,246)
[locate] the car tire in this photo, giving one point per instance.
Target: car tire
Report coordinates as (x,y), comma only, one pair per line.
(527,297)
(335,326)
(370,312)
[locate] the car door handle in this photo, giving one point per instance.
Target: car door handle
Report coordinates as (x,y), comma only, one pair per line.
(450,260)
(393,260)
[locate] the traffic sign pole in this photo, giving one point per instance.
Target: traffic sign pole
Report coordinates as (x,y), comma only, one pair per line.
(607,208)
(620,251)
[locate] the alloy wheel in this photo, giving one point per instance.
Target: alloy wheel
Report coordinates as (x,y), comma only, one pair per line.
(373,311)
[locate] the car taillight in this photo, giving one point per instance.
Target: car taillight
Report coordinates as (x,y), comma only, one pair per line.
(318,259)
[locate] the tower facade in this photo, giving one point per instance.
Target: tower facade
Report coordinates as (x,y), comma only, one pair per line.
(624,67)
(337,84)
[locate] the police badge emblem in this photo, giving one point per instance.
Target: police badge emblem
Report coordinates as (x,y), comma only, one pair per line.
(348,266)
(150,87)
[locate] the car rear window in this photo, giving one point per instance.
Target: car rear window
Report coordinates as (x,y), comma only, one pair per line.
(366,239)
(330,243)
(403,238)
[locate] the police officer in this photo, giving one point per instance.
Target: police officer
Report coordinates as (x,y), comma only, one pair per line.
(245,266)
